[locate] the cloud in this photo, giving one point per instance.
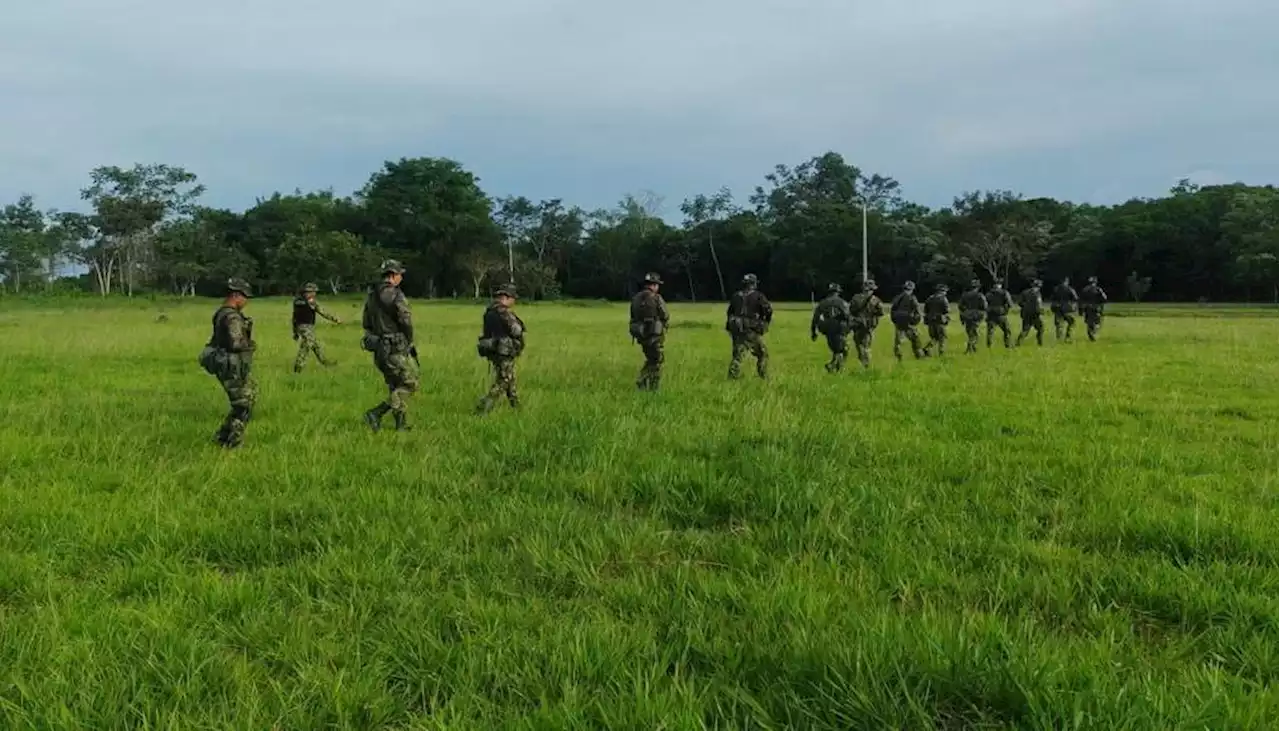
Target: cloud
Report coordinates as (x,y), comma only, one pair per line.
(588,100)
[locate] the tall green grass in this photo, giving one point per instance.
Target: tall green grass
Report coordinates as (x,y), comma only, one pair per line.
(1077,536)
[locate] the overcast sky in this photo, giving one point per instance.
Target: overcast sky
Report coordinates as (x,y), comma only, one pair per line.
(1089,100)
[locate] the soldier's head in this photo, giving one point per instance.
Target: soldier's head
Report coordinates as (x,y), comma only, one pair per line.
(393,272)
(652,281)
(750,281)
(975,284)
(238,292)
(834,288)
(309,290)
(506,295)
(1066,280)
(1093,280)
(997,285)
(869,285)
(1036,284)
(941,288)
(909,286)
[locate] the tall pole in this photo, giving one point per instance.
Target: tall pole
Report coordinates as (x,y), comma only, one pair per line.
(864,242)
(511,260)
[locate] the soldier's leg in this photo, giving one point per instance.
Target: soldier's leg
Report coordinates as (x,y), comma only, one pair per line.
(642,378)
(1057,325)
(1091,325)
(898,334)
(318,349)
(1026,328)
(1071,326)
(991,331)
(1005,331)
(304,348)
(971,337)
(735,363)
(914,336)
(242,393)
(761,352)
(655,356)
(939,335)
(402,383)
(373,417)
(833,345)
(1039,325)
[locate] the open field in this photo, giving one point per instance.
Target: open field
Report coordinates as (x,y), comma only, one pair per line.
(1078,536)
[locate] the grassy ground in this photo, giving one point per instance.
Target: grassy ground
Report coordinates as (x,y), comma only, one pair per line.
(1073,536)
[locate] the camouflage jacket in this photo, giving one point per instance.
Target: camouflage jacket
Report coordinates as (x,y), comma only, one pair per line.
(936,309)
(1031,302)
(973,305)
(649,316)
(503,330)
(999,302)
(305,311)
(749,311)
(1065,298)
(866,310)
(386,313)
(831,316)
(1092,297)
(905,309)
(233,333)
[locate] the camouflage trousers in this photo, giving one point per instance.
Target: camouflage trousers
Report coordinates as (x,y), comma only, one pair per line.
(504,384)
(937,336)
(1030,322)
(400,373)
(754,342)
(651,372)
(307,344)
(242,393)
(998,321)
(971,325)
(838,344)
(906,332)
(1092,322)
(862,342)
(1061,317)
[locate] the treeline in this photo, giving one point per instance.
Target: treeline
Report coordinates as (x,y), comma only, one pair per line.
(144,230)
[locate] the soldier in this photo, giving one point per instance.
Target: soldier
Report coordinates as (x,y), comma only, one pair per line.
(501,341)
(229,357)
(866,309)
(937,314)
(649,320)
(832,318)
(999,302)
(973,308)
(1092,301)
(305,309)
(1064,307)
(747,319)
(388,334)
(904,312)
(1031,305)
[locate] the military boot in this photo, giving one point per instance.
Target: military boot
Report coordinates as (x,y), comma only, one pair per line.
(400,421)
(373,417)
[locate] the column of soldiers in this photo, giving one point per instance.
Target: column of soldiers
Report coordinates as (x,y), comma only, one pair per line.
(389,334)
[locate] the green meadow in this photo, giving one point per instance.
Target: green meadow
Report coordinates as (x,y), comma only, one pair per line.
(1075,536)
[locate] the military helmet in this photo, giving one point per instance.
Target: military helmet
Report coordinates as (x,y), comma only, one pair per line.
(909,285)
(975,283)
(940,287)
(997,284)
(1093,280)
(310,287)
(869,285)
(236,284)
(652,278)
(834,288)
(391,266)
(506,290)
(1036,283)
(750,280)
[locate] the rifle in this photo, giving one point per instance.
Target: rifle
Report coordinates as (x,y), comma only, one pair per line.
(413,351)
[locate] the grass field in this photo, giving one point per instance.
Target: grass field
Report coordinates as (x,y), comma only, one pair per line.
(1078,536)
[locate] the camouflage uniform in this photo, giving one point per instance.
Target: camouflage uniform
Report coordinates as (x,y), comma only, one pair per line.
(747,320)
(1092,302)
(904,311)
(999,302)
(305,309)
(832,318)
(1031,304)
(648,327)
(388,334)
(1064,307)
(866,309)
(937,315)
(229,357)
(973,308)
(501,342)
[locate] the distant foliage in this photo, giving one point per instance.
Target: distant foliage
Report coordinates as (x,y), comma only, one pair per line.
(799,230)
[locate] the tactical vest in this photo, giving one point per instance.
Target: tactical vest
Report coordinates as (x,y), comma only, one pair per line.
(303,314)
(380,319)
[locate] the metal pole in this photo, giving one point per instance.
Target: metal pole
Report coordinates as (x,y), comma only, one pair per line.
(864,242)
(511,261)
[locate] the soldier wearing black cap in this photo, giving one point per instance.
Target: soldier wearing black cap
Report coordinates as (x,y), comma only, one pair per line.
(388,334)
(229,358)
(305,310)
(832,318)
(1092,301)
(747,320)
(501,342)
(648,327)
(1032,306)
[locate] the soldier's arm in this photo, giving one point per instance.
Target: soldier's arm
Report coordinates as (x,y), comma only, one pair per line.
(663,315)
(320,311)
(1102,294)
(766,308)
(238,335)
(514,326)
(400,306)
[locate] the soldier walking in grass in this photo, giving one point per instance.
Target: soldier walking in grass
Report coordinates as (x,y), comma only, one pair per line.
(1092,301)
(747,320)
(501,342)
(305,309)
(973,308)
(648,327)
(904,312)
(865,309)
(832,318)
(229,358)
(999,302)
(388,334)
(1064,307)
(937,315)
(1032,306)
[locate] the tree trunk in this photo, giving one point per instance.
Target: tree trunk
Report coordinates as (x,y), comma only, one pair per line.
(711,242)
(688,270)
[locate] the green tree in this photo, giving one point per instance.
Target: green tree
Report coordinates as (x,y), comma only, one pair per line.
(23,241)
